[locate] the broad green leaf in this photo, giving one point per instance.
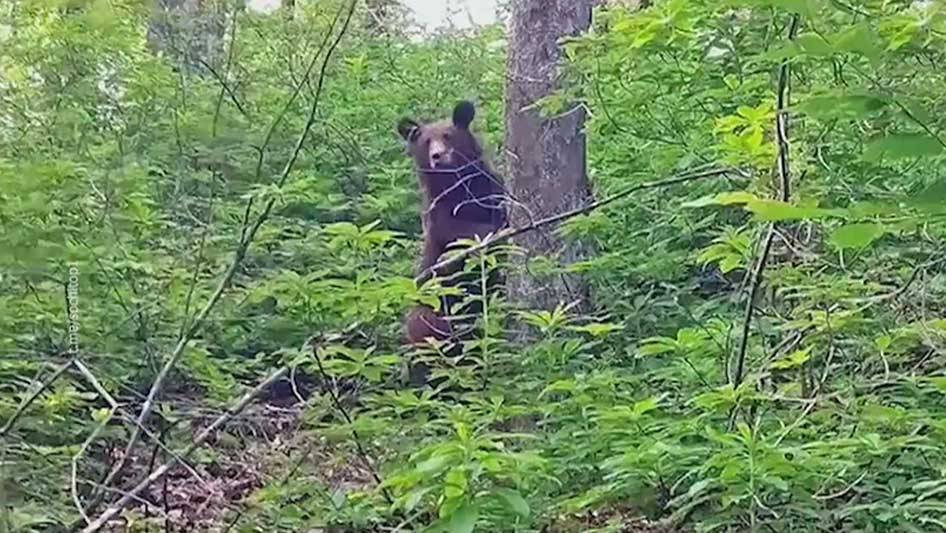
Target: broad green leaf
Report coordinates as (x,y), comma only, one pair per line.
(463,519)
(795,360)
(938,382)
(860,39)
(915,109)
(657,346)
(814,45)
(901,146)
(725,198)
(735,197)
(775,210)
(597,329)
(434,464)
(931,198)
(455,483)
(410,500)
(514,501)
(564,385)
(856,235)
(802,7)
(851,106)
(645,406)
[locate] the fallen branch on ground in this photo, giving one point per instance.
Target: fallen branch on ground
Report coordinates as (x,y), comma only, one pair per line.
(162,470)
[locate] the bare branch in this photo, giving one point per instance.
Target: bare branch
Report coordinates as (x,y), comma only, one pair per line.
(509,233)
(28,401)
(162,470)
(781,123)
(113,406)
(238,256)
(333,394)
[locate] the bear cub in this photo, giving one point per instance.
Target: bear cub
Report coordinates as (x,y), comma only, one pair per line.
(462,198)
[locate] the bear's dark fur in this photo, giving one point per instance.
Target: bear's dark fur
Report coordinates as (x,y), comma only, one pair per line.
(462,199)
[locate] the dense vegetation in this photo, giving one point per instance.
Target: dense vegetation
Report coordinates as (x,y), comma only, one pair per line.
(766,351)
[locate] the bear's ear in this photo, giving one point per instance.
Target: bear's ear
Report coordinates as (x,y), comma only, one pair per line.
(463,114)
(408,129)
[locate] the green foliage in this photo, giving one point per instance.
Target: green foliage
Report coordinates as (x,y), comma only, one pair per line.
(143,170)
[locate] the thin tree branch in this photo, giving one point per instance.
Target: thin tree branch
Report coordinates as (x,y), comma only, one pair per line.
(784,170)
(509,233)
(238,256)
(112,408)
(333,394)
(28,401)
(282,113)
(162,470)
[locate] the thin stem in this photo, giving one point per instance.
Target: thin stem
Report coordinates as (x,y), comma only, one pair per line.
(784,170)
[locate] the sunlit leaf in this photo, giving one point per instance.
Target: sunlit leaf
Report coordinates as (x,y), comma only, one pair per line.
(795,360)
(856,235)
(775,210)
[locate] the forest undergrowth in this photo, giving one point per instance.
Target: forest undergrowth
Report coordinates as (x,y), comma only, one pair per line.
(210,231)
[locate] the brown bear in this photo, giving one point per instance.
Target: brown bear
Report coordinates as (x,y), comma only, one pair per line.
(462,198)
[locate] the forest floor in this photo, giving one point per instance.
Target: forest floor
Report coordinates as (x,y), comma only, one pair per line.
(264,446)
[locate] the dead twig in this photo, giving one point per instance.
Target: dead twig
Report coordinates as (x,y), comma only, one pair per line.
(113,406)
(162,470)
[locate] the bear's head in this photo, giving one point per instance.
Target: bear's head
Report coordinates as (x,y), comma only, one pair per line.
(443,146)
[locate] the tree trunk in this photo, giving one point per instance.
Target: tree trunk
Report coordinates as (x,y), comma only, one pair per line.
(381,13)
(191,31)
(545,156)
(289,9)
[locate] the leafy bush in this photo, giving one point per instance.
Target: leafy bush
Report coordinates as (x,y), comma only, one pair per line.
(766,351)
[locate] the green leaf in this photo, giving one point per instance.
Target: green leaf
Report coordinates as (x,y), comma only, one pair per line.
(859,39)
(514,501)
(932,197)
(849,106)
(410,500)
(814,45)
(856,235)
(564,385)
(797,359)
(463,520)
(657,346)
(901,146)
(597,329)
(724,198)
(775,210)
(802,7)
(645,406)
(434,464)
(938,382)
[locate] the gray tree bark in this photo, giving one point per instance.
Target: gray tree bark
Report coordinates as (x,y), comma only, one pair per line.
(545,156)
(381,16)
(191,31)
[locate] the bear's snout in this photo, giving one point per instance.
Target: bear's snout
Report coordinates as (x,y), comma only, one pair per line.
(440,154)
